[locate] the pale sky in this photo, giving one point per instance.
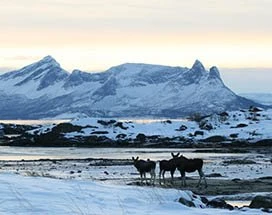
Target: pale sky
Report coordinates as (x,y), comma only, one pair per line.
(94,35)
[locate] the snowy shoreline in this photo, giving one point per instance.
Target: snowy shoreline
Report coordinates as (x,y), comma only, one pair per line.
(226,173)
(247,128)
(111,186)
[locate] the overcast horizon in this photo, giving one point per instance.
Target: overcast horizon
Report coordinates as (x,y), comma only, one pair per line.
(95,35)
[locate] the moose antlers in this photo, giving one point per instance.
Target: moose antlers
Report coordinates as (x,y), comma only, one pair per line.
(135,159)
(175,156)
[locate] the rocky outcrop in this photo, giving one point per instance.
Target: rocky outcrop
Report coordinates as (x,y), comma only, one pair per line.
(219,203)
(186,202)
(261,202)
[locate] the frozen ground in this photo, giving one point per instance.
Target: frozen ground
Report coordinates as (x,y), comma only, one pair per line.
(100,186)
(36,195)
(256,127)
(236,125)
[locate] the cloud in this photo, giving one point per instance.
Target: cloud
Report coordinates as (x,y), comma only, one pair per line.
(142,16)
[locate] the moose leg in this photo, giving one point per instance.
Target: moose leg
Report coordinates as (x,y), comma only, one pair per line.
(183,182)
(202,175)
(153,176)
(172,177)
(200,178)
(163,176)
(145,178)
(160,176)
(206,185)
(141,174)
(184,179)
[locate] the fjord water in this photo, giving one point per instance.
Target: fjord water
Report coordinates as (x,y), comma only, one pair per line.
(34,122)
(35,153)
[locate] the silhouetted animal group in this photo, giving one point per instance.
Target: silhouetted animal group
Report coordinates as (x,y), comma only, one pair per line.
(181,163)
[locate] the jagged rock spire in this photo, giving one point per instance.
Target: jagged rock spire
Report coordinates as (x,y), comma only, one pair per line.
(214,72)
(198,66)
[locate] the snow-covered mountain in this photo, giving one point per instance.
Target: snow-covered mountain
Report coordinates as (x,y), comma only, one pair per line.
(43,89)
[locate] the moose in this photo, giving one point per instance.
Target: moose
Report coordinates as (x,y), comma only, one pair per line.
(168,165)
(145,166)
(184,165)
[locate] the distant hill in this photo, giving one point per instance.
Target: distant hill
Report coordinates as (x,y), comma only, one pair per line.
(263,98)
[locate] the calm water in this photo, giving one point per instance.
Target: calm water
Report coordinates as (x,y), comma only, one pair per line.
(31,153)
(237,203)
(35,122)
(57,121)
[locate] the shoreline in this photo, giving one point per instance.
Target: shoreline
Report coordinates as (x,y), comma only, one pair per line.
(122,171)
(100,142)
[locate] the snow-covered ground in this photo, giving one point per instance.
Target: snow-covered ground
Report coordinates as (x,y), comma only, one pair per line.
(35,195)
(257,125)
(243,124)
(85,186)
(77,187)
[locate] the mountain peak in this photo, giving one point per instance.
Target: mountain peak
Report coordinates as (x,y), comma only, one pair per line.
(76,72)
(214,72)
(49,60)
(41,74)
(198,66)
(194,74)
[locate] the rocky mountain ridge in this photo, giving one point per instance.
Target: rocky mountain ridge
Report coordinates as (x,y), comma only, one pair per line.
(45,90)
